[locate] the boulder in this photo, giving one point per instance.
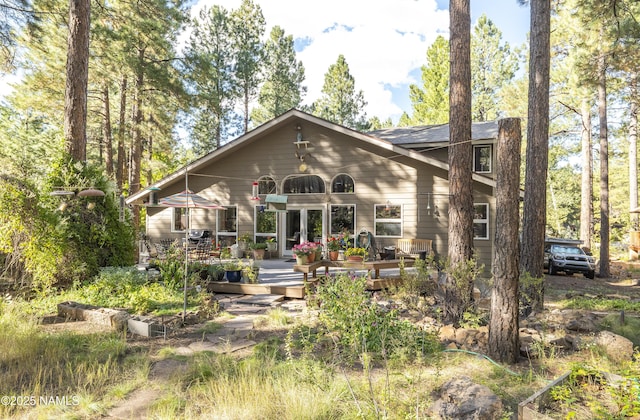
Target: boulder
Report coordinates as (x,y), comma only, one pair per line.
(617,347)
(462,399)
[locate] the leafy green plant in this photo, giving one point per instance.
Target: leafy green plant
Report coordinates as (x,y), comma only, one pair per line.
(362,325)
(360,252)
(128,288)
(235,264)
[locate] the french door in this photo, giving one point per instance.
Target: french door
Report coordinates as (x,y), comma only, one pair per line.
(301,225)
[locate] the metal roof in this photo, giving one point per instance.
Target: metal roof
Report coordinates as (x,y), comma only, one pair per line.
(424,135)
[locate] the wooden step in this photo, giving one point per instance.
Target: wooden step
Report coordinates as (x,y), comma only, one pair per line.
(294,292)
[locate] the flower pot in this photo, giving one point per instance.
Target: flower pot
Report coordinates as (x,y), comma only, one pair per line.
(311,257)
(333,255)
(258,254)
(272,246)
(355,258)
(302,259)
(234,276)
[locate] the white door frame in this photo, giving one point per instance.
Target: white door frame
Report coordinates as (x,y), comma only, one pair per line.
(304,229)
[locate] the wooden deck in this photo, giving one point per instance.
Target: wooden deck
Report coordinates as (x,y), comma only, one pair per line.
(370,266)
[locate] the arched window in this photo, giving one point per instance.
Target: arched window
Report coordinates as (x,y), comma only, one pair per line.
(303,184)
(342,184)
(266,185)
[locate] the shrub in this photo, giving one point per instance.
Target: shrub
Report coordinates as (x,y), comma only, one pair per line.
(364,326)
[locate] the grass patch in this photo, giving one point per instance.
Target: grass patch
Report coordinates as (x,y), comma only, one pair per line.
(81,367)
(628,327)
(600,304)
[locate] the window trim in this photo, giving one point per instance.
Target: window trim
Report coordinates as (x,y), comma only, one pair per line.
(265,235)
(265,179)
(343,192)
(377,220)
(484,221)
(174,229)
(331,206)
(219,223)
(476,150)
(288,177)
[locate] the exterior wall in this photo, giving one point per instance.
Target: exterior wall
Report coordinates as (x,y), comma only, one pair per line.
(380,176)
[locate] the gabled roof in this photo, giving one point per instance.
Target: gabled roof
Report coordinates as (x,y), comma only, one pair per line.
(431,135)
(396,147)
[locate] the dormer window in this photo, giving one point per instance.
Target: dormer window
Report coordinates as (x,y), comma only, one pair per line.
(482,159)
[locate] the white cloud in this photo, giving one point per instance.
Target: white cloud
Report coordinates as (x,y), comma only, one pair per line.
(382,41)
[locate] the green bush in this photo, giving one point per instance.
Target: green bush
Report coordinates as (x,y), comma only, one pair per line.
(53,240)
(128,288)
(364,326)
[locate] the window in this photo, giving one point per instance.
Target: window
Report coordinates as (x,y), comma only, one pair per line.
(481,221)
(482,158)
(266,185)
(343,217)
(342,184)
(388,220)
(265,224)
(227,226)
(179,219)
(304,184)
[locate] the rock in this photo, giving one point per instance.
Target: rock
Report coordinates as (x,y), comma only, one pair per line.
(447,333)
(617,347)
(461,399)
(584,324)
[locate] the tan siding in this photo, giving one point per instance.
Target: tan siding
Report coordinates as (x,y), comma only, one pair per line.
(379,175)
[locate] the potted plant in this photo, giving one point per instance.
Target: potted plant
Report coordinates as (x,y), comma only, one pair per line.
(244,241)
(355,254)
(272,244)
(303,252)
(251,271)
(259,249)
(216,272)
(334,246)
(233,270)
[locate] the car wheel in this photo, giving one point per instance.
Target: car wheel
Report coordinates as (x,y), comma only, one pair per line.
(552,269)
(590,274)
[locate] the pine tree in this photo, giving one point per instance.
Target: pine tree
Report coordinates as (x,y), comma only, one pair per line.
(340,103)
(535,199)
(210,80)
(494,66)
(458,286)
(431,102)
(284,75)
(248,27)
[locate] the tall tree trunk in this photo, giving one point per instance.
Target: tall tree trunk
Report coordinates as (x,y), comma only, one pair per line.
(535,199)
(108,142)
(246,110)
(458,292)
(136,147)
(633,150)
(150,151)
(586,196)
(504,327)
(604,167)
(75,98)
(122,159)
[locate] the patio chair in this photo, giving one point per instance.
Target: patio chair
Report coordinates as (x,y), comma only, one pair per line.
(202,251)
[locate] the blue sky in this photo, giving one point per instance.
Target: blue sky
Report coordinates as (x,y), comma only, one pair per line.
(383,41)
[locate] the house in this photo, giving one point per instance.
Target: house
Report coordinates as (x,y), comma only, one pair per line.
(390,182)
